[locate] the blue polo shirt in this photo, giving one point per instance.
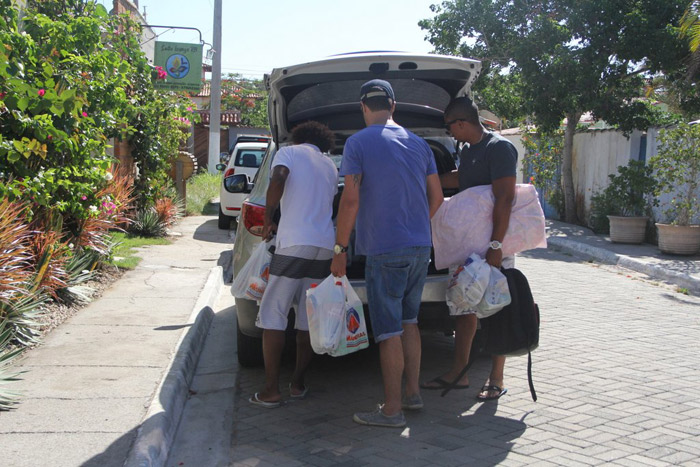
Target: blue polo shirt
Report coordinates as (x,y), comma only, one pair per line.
(394,164)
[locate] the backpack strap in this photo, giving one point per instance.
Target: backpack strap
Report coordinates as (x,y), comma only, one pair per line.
(529,364)
(529,376)
(452,385)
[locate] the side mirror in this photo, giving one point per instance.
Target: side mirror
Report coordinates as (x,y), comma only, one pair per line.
(238,183)
(220,167)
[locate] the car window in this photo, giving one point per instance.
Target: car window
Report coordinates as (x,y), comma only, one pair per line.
(249,157)
(337,93)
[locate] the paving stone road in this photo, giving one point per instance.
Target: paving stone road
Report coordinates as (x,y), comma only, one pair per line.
(617,375)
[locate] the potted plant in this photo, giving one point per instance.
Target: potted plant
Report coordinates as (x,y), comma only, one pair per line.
(677,168)
(627,200)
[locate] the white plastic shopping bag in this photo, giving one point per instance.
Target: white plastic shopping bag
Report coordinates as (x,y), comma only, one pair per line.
(325,309)
(337,323)
(467,285)
(354,335)
(496,296)
(251,280)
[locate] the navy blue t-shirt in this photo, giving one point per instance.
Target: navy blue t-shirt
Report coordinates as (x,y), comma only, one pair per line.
(491,158)
(394,164)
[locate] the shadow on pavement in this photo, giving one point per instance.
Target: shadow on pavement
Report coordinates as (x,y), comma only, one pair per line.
(114,455)
(209,232)
(320,429)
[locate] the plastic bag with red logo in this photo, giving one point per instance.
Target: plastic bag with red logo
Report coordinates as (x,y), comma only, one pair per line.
(336,318)
(354,336)
(251,280)
(325,309)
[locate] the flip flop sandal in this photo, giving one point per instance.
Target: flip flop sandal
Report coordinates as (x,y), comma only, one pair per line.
(255,400)
(299,396)
(491,388)
(439,383)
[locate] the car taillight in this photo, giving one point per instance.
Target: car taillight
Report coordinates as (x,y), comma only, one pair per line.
(253,217)
(229,172)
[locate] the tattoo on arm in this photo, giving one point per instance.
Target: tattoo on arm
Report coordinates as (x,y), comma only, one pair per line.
(357,179)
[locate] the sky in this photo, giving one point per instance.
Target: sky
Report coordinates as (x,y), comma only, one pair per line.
(258,36)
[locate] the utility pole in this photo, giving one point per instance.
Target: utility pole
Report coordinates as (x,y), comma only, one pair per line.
(215,102)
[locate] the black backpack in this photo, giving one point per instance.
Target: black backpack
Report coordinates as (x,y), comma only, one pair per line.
(515,330)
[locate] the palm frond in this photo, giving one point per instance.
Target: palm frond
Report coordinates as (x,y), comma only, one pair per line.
(148,224)
(22,316)
(690,25)
(8,397)
(16,266)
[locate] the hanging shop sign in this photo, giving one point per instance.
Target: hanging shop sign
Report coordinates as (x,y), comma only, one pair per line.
(182,63)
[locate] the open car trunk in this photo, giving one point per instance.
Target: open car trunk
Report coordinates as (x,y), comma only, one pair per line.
(328,91)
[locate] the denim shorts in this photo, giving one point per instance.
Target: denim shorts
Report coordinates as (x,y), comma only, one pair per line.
(394,288)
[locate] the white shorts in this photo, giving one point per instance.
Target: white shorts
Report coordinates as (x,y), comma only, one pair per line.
(292,271)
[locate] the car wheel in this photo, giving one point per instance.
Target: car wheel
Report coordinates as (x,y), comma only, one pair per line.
(224,220)
(249,350)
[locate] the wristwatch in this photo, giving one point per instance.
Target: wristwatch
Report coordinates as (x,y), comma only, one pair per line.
(495,245)
(338,249)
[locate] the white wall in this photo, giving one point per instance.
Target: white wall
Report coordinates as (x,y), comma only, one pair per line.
(599,153)
(596,154)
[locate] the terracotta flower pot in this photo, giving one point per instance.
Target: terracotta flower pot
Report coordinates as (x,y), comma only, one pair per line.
(625,229)
(679,239)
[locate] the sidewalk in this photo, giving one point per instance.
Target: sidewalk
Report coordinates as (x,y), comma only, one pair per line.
(119,370)
(681,271)
(111,382)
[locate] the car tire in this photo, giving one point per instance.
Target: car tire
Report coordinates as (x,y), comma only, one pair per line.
(224,220)
(250,353)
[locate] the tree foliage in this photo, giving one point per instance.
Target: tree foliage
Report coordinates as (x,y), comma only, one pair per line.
(71,77)
(249,96)
(571,56)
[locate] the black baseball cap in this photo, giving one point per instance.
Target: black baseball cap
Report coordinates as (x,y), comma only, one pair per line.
(377,88)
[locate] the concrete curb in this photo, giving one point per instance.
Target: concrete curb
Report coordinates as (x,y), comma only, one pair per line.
(156,433)
(652,270)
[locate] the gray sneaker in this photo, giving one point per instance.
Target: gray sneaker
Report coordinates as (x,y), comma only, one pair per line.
(377,418)
(414,402)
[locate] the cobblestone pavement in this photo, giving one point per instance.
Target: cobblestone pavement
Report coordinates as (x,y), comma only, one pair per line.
(616,373)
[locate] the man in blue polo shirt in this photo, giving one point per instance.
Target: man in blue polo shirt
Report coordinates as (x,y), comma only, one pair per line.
(392,190)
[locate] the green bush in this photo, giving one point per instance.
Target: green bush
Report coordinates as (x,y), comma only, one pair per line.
(148,223)
(677,166)
(629,193)
(71,77)
(542,160)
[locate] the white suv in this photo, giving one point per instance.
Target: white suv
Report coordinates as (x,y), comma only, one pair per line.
(328,91)
(245,158)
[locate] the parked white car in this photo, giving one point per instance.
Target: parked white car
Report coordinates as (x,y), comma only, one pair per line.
(327,91)
(245,158)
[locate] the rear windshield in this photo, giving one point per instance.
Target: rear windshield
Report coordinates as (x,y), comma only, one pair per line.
(327,95)
(249,157)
